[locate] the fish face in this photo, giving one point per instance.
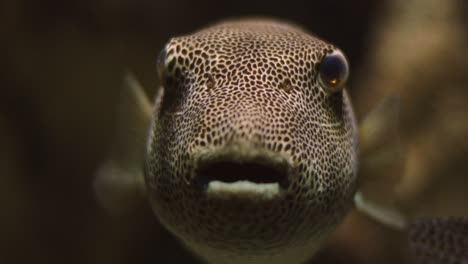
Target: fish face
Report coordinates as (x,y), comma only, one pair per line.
(248,151)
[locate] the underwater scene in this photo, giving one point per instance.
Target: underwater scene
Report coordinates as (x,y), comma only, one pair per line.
(258,132)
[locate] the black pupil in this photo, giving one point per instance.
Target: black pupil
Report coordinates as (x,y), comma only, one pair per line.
(332,69)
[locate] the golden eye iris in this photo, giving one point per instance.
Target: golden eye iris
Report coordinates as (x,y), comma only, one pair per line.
(333,72)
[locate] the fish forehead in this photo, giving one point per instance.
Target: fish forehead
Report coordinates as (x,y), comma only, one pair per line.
(233,45)
(253,62)
(261,31)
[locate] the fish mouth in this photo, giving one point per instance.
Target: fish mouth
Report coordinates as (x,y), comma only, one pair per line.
(253,177)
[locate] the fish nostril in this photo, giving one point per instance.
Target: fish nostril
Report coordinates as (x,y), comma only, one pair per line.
(230,171)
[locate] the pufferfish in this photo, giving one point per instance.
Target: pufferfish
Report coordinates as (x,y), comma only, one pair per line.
(249,153)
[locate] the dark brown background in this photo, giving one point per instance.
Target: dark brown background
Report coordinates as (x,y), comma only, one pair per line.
(61,67)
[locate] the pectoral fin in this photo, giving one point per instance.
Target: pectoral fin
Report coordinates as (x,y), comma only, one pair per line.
(432,240)
(381,164)
(389,216)
(119,182)
(379,137)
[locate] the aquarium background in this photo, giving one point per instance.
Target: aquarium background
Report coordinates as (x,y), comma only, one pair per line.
(62,64)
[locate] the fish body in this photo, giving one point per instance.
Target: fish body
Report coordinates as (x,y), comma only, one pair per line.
(252,152)
(239,166)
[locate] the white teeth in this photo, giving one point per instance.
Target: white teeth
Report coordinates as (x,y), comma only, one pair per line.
(243,189)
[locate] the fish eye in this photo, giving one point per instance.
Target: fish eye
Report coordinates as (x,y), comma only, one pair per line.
(333,72)
(160,64)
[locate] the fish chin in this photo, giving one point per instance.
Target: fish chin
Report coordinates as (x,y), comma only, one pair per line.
(245,201)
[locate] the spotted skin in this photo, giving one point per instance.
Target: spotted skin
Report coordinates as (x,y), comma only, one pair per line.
(239,90)
(439,240)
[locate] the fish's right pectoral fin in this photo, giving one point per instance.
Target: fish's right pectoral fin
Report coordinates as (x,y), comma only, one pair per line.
(379,137)
(380,211)
(119,181)
(381,164)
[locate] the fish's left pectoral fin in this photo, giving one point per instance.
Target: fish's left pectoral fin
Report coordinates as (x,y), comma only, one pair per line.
(439,240)
(384,213)
(119,181)
(134,98)
(118,189)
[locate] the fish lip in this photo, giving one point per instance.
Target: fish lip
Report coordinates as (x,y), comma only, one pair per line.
(227,170)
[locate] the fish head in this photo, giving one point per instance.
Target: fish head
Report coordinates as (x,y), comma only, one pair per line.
(253,142)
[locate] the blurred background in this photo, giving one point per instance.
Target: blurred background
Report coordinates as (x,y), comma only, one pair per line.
(61,70)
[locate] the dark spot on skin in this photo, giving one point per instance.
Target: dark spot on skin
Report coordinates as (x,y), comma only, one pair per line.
(286,85)
(210,81)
